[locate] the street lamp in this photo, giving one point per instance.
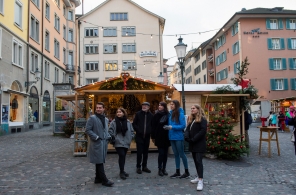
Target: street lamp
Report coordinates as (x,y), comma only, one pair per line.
(37,77)
(181,52)
(160,78)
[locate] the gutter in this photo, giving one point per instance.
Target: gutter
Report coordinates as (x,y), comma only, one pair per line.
(28,38)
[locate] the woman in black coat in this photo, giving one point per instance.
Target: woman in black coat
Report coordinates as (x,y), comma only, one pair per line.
(195,134)
(160,137)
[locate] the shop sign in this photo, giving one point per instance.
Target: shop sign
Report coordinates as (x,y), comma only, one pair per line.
(255,32)
(149,60)
(148,54)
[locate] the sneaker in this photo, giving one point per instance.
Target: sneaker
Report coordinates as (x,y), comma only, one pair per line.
(145,169)
(185,176)
(139,171)
(195,180)
(176,175)
(199,185)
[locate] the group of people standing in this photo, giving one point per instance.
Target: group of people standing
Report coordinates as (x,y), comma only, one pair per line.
(165,128)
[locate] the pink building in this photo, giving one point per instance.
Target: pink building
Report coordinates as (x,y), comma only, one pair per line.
(267,37)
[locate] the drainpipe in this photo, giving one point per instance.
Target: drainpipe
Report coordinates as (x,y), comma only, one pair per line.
(78,44)
(28,38)
(160,51)
(42,49)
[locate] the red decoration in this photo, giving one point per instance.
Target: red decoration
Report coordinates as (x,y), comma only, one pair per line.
(243,136)
(213,132)
(226,135)
(218,142)
(125,76)
(226,148)
(224,138)
(241,146)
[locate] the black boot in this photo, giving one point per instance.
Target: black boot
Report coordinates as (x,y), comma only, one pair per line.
(97,180)
(160,173)
(122,175)
(176,175)
(164,172)
(126,174)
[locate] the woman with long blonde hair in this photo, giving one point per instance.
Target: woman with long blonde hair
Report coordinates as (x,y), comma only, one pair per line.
(195,134)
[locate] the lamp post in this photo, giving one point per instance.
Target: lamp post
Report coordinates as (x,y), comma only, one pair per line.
(160,78)
(37,77)
(181,52)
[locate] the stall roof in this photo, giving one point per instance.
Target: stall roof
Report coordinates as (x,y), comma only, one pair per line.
(204,87)
(94,92)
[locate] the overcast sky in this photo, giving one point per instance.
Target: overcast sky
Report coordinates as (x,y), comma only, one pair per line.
(190,16)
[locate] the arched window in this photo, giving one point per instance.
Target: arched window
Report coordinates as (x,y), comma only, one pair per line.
(46,107)
(33,107)
(16,86)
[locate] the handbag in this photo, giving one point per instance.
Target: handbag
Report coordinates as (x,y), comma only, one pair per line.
(163,119)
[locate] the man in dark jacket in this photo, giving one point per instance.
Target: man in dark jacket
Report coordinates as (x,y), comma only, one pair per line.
(142,127)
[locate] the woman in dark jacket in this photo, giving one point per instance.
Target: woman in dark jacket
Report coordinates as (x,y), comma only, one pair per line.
(160,137)
(195,134)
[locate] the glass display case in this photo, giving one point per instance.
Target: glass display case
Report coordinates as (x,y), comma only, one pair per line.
(224,109)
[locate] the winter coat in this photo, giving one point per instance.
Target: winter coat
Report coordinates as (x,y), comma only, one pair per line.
(196,135)
(176,133)
(120,140)
(160,135)
(139,125)
(97,148)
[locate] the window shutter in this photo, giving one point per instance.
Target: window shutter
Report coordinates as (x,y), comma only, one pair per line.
(238,47)
(225,56)
(234,68)
(267,24)
(293,81)
(269,43)
(287,23)
(226,73)
(291,65)
(271,66)
(272,84)
(289,41)
(233,49)
(286,85)
(232,30)
(281,25)
(217,60)
(284,64)
(282,43)
(217,76)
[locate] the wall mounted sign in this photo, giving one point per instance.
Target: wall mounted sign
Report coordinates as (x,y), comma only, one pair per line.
(255,32)
(149,60)
(148,54)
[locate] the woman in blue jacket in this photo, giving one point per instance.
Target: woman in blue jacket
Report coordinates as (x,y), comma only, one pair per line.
(176,126)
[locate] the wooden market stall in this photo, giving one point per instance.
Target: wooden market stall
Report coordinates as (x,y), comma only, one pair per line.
(124,91)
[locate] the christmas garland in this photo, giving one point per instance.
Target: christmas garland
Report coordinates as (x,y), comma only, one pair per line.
(132,84)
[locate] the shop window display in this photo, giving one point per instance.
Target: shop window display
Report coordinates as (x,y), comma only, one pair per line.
(46,107)
(33,107)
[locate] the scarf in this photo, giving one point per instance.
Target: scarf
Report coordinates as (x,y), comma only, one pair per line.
(102,118)
(121,125)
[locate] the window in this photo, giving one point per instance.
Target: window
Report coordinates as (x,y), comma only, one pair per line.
(89,81)
(198,81)
(17,53)
(235,48)
(279,84)
(46,69)
(234,29)
(18,13)
(292,63)
(56,49)
(236,67)
(91,49)
(71,79)
(70,35)
(204,65)
(47,11)
(118,16)
(128,48)
(290,23)
(64,32)
(70,59)
(205,78)
(220,41)
(291,43)
(111,65)
(223,74)
(110,48)
(129,65)
(110,32)
(203,52)
(165,70)
(64,56)
(56,75)
(274,24)
(197,70)
(221,58)
(34,61)
(188,70)
(277,64)
(34,34)
(64,77)
(57,22)
(58,2)
(36,2)
(128,31)
(275,43)
(64,10)
(293,83)
(197,57)
(91,32)
(1,6)
(70,15)
(91,66)
(189,80)
(47,40)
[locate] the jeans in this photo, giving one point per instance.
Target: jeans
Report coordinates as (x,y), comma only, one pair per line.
(178,149)
(142,152)
(162,157)
(197,157)
(122,154)
(100,173)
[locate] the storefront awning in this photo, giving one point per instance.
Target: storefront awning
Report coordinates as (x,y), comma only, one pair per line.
(16,92)
(227,95)
(70,97)
(98,92)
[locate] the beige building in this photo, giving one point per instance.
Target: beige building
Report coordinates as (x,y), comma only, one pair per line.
(120,36)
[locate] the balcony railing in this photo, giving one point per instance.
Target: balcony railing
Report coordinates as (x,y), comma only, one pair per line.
(211,72)
(70,68)
(210,58)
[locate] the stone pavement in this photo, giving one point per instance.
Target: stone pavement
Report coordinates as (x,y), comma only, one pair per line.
(36,162)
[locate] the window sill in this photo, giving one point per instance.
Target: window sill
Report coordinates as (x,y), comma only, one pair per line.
(111,53)
(57,58)
(130,52)
(47,19)
(35,40)
(110,36)
(90,53)
(91,36)
(91,70)
(36,5)
(15,24)
(1,13)
(111,70)
(17,65)
(47,50)
(46,79)
(57,30)
(32,72)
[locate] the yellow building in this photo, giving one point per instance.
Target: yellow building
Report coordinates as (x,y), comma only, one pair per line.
(14,16)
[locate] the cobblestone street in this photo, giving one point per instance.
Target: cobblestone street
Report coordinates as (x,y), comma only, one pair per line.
(36,162)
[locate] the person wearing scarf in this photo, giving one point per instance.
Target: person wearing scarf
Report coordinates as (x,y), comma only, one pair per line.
(121,130)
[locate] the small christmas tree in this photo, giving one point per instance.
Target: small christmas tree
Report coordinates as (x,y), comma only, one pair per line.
(221,142)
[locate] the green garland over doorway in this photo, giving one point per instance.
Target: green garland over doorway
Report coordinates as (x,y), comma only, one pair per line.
(132,84)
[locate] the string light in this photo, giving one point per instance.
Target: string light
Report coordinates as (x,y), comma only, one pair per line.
(151,36)
(144,65)
(102,28)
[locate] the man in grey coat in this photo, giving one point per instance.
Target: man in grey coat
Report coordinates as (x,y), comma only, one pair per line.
(97,130)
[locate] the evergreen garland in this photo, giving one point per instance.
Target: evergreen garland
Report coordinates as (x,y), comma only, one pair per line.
(132,84)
